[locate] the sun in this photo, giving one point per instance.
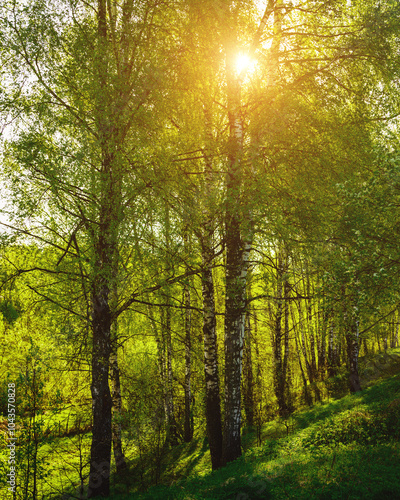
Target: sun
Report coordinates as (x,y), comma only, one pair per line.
(244,64)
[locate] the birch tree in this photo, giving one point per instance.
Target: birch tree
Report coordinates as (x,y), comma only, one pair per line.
(84,113)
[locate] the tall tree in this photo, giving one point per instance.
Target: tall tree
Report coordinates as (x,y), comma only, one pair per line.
(93,70)
(207,242)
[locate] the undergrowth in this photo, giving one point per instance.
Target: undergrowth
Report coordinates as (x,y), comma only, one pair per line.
(345,449)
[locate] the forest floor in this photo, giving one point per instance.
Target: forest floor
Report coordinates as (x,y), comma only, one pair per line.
(348,448)
(340,448)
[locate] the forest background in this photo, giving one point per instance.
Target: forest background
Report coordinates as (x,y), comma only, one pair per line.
(200,209)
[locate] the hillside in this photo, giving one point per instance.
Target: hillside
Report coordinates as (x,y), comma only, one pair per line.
(340,448)
(347,448)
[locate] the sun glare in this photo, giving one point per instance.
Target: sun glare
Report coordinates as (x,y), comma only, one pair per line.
(244,64)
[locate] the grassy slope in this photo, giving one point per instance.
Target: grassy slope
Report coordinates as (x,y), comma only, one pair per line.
(344,449)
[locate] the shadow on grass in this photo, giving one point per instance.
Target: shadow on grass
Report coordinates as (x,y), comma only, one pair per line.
(177,463)
(352,472)
(189,456)
(285,469)
(374,398)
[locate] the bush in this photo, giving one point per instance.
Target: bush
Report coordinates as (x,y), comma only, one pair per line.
(390,421)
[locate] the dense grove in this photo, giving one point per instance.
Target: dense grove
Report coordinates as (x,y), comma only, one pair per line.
(199,236)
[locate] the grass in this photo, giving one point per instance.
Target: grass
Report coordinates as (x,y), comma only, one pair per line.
(64,445)
(347,448)
(344,449)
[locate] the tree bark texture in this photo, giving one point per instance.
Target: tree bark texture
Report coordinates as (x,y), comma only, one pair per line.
(237,251)
(119,457)
(248,378)
(171,430)
(188,422)
(100,454)
(211,366)
(103,280)
(333,355)
(313,372)
(211,362)
(105,247)
(352,343)
(280,340)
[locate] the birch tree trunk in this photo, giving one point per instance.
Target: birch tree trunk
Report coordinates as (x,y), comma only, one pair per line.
(211,363)
(352,342)
(236,272)
(311,327)
(286,360)
(248,378)
(280,340)
(278,375)
(105,246)
(322,361)
(188,425)
(239,229)
(100,453)
(94,78)
(116,430)
(161,362)
(171,431)
(119,456)
(307,396)
(332,351)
